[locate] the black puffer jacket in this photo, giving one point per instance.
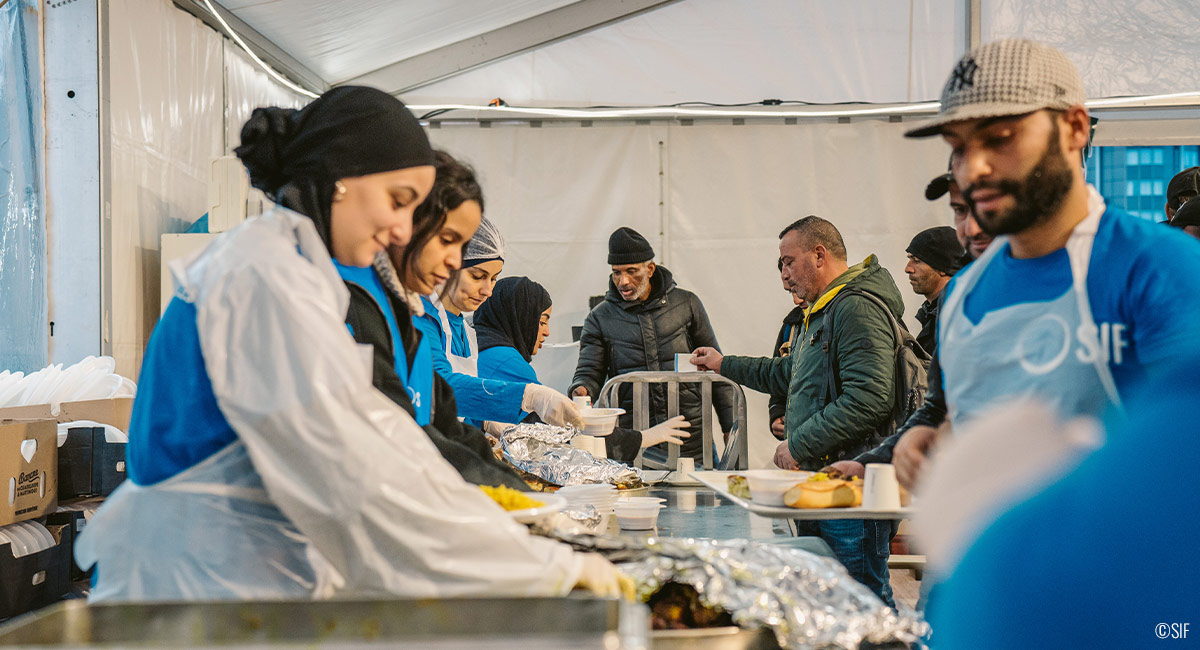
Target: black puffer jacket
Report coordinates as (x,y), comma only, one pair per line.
(621,336)
(464,446)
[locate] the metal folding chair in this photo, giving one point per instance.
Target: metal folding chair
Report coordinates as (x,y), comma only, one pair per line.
(736,454)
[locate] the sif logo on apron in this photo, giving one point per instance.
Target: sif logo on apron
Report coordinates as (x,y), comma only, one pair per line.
(1048,351)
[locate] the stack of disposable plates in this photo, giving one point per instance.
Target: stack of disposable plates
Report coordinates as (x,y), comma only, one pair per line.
(602,496)
(26,538)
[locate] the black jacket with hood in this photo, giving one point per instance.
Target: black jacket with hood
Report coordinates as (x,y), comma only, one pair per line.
(621,336)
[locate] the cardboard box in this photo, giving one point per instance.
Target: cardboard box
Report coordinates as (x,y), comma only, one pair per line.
(28,469)
(89,465)
(38,579)
(113,412)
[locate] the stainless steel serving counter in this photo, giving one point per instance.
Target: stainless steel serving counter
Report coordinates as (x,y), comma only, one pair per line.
(700,512)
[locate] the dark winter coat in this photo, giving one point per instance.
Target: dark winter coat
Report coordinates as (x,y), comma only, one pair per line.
(862,345)
(621,336)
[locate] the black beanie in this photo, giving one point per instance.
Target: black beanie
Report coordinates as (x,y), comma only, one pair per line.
(939,248)
(627,246)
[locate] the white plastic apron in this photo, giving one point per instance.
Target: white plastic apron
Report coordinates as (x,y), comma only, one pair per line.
(462,365)
(1047,351)
(236,544)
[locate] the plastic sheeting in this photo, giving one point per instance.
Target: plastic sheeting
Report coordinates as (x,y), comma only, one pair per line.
(1120,47)
(713,215)
(24,330)
(179,95)
(731,52)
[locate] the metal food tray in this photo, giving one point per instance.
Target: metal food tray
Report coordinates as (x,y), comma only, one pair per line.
(474,624)
(718,481)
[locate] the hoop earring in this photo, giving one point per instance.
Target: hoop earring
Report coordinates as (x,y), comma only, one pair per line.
(339,190)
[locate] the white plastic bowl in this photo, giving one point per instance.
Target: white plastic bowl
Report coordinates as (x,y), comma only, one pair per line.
(600,422)
(637,517)
(553,504)
(767,486)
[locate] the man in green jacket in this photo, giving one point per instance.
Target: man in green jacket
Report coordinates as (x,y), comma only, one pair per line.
(851,336)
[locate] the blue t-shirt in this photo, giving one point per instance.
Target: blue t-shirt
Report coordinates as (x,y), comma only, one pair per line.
(479,398)
(459,344)
(1105,557)
(1143,287)
(506,364)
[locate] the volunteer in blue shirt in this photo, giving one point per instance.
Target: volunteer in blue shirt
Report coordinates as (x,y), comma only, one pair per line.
(262,463)
(381,316)
(1075,302)
(436,258)
(511,327)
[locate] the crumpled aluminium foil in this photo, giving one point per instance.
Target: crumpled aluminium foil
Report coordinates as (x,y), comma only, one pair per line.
(546,452)
(807,600)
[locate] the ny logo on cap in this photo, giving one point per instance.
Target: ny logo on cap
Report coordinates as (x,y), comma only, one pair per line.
(964,75)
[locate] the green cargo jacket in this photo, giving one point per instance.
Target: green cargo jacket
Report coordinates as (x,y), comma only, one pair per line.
(820,431)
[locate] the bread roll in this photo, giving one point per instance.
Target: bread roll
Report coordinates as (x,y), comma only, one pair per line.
(824,494)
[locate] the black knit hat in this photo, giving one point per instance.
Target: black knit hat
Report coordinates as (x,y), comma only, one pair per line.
(628,246)
(939,248)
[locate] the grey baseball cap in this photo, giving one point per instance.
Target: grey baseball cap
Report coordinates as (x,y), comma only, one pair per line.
(1008,77)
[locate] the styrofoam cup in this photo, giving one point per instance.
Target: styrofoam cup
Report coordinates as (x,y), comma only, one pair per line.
(881,490)
(686,466)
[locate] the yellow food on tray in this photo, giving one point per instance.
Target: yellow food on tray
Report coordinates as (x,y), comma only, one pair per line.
(510,499)
(825,493)
(738,486)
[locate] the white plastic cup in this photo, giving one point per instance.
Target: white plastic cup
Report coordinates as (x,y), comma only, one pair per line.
(686,466)
(582,401)
(683,363)
(881,490)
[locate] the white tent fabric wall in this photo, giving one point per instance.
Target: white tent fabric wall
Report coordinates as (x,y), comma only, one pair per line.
(558,191)
(732,52)
(165,121)
(1121,48)
(173,82)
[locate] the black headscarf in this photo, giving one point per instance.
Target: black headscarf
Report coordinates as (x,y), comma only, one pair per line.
(296,156)
(512,316)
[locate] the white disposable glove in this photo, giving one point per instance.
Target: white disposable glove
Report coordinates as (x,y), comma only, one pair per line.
(552,406)
(670,431)
(599,576)
(494,429)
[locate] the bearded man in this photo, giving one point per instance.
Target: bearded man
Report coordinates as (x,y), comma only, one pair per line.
(1075,303)
(644,321)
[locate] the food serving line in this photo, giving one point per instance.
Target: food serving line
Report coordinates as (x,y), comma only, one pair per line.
(696,506)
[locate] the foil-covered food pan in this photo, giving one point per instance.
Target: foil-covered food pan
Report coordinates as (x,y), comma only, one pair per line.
(546,452)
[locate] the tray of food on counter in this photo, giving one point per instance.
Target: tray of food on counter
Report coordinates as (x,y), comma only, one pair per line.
(787,494)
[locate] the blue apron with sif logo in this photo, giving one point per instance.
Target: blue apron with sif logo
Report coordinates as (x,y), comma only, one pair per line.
(1049,351)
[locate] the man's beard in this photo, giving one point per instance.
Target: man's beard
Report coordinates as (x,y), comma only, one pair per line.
(1035,198)
(639,292)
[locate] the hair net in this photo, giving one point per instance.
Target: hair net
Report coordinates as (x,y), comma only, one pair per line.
(485,246)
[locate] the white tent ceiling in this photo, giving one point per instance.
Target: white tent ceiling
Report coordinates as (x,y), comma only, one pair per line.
(658,52)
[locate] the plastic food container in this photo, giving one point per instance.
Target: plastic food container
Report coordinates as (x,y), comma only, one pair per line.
(637,516)
(767,486)
(599,422)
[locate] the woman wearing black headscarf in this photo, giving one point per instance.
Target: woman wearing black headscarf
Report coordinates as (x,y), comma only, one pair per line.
(262,463)
(511,327)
